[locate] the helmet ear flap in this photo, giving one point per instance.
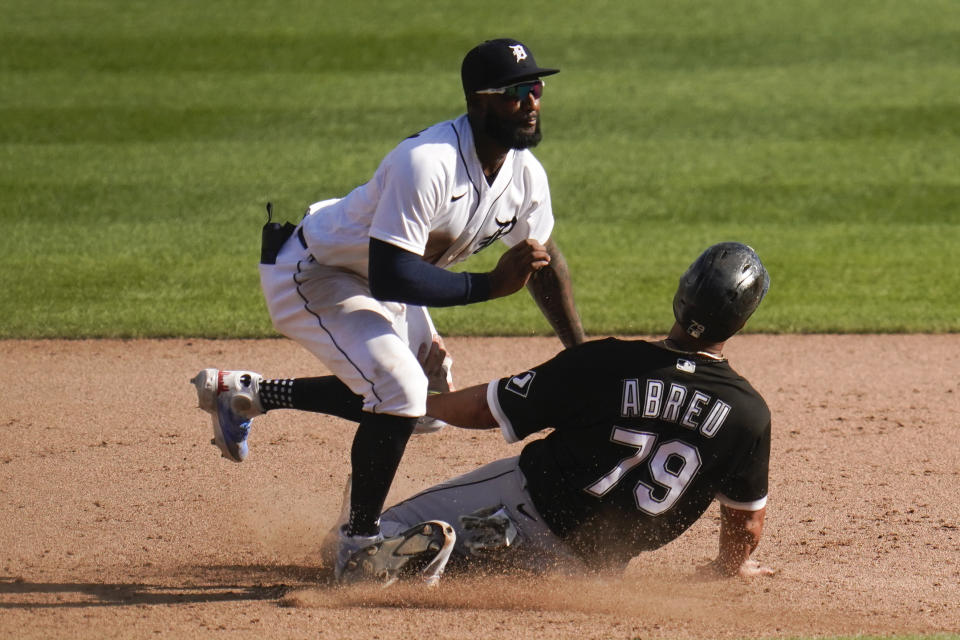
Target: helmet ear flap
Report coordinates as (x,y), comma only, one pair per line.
(720,291)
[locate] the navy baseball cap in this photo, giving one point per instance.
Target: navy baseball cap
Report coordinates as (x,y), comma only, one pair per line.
(499,63)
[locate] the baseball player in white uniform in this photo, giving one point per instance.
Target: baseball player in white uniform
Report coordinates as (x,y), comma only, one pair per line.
(352,281)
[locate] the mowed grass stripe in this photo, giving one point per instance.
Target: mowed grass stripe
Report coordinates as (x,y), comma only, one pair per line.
(139,145)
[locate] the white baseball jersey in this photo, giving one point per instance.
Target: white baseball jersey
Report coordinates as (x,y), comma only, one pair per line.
(430,197)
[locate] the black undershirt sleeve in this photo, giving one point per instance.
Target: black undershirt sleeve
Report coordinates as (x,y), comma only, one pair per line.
(399,275)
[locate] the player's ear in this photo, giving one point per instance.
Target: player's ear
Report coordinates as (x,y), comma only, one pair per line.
(476,103)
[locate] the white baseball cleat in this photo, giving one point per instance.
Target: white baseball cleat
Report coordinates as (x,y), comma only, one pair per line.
(426,424)
(347,547)
(232,398)
(486,530)
(421,551)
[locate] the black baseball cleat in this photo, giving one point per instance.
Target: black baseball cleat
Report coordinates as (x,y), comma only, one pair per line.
(421,551)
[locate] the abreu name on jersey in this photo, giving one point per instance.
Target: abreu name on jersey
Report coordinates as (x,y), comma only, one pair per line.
(673,402)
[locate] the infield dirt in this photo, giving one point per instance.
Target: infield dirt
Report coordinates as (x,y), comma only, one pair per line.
(118,519)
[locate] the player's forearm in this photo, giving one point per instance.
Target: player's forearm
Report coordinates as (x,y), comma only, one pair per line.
(740,533)
(552,289)
(402,276)
(466,408)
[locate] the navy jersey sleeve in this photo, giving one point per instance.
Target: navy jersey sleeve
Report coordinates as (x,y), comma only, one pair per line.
(402,276)
(548,395)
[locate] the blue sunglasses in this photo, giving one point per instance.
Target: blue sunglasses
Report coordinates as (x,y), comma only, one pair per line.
(518,91)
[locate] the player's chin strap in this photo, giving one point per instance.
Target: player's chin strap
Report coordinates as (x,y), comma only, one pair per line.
(273,236)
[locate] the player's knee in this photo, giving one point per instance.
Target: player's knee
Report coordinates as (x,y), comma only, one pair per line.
(404,395)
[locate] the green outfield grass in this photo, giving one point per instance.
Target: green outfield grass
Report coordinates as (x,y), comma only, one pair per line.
(140,140)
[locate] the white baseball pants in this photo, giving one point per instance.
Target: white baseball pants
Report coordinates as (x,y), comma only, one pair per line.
(370,345)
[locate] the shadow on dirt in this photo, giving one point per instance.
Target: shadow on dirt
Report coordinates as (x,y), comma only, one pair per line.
(202,585)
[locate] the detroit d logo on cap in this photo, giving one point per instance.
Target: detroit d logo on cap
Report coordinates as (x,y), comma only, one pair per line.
(518,52)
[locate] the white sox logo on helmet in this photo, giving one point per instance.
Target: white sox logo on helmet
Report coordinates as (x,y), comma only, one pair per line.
(696,329)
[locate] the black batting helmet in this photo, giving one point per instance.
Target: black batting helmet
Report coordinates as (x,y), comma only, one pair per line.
(720,291)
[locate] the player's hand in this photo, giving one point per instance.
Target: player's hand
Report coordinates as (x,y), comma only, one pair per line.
(749,569)
(516,266)
(436,364)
